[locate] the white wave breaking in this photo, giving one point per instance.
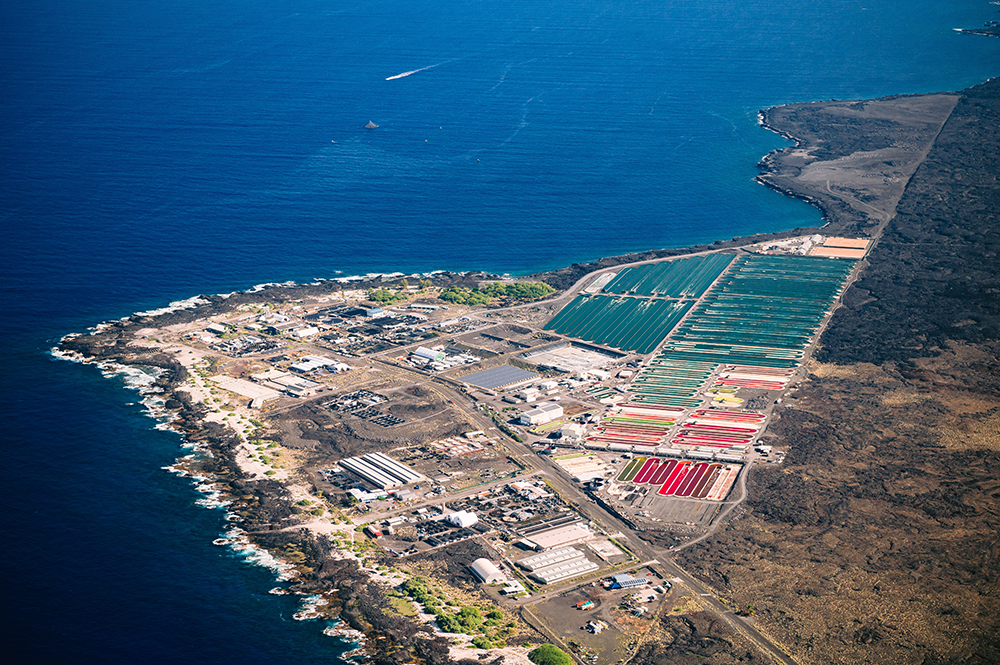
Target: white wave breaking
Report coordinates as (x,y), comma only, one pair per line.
(176,306)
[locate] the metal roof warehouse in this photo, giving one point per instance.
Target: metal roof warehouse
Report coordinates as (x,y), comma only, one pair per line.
(381,470)
(561,537)
(626,581)
(499,377)
(551,558)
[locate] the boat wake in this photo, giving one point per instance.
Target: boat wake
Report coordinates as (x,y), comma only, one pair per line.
(417,71)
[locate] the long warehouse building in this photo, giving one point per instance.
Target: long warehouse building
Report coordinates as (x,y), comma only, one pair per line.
(381,470)
(550,558)
(370,473)
(564,571)
(394,468)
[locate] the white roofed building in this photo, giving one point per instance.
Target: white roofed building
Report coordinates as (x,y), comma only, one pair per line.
(312,363)
(308,331)
(541,414)
(564,571)
(550,558)
(487,572)
(560,537)
(381,470)
(429,354)
(572,431)
(462,519)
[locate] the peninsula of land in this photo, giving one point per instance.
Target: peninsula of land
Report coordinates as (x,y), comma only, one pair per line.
(780,448)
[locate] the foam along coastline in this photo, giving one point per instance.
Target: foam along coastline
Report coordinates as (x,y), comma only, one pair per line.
(147,382)
(213,488)
(176,306)
(143,379)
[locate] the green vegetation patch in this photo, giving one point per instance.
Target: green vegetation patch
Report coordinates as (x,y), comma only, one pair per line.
(402,606)
(386,297)
(549,654)
(483,295)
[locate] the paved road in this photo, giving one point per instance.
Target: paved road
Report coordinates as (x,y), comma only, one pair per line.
(571,492)
(438,500)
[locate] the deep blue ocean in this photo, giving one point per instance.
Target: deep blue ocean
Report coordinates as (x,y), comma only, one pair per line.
(152,151)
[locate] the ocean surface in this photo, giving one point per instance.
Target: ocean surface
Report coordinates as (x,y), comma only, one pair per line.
(152,151)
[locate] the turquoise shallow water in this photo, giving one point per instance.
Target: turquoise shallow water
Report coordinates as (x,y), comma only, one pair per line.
(152,151)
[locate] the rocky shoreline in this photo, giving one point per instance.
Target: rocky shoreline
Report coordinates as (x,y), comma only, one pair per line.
(262,509)
(333,588)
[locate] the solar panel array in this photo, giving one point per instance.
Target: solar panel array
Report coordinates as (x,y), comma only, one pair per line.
(498,377)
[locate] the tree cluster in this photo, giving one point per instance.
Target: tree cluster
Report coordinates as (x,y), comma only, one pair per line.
(489,629)
(484,294)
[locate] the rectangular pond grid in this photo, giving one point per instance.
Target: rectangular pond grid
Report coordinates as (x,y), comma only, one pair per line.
(681,278)
(630,324)
(763,312)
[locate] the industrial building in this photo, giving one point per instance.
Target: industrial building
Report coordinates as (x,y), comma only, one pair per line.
(560,537)
(626,581)
(564,571)
(296,386)
(528,394)
(504,376)
(529,491)
(405,473)
(551,558)
(440,359)
(380,470)
(462,519)
(429,354)
(487,572)
(541,414)
(366,497)
(312,363)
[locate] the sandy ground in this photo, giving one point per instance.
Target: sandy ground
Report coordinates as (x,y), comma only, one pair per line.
(512,655)
(200,389)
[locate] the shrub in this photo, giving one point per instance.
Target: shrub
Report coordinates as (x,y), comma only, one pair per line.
(549,654)
(483,642)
